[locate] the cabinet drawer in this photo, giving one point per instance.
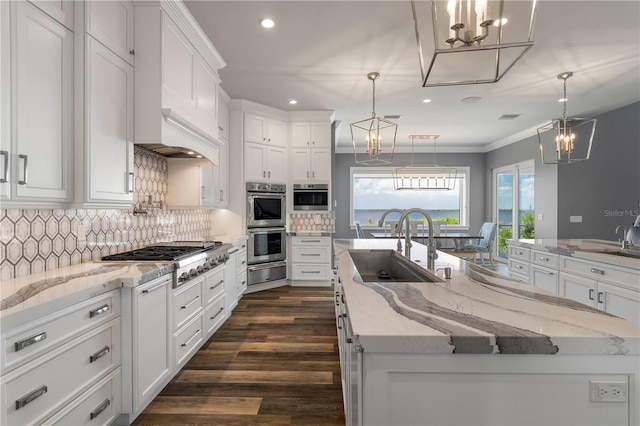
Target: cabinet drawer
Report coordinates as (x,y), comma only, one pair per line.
(214,284)
(520,278)
(601,272)
(241,262)
(311,254)
(519,253)
(188,340)
(545,279)
(518,267)
(25,343)
(214,315)
(304,271)
(35,390)
(187,302)
(100,405)
(542,258)
(311,241)
(241,283)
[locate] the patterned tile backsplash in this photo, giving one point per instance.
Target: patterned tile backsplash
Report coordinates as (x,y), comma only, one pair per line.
(312,222)
(33,241)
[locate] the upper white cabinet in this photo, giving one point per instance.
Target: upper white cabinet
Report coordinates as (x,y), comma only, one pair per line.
(309,134)
(263,163)
(264,130)
(61,11)
(193,183)
(223,114)
(111,22)
(37,111)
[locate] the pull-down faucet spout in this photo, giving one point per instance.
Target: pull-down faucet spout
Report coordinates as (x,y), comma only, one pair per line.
(431,248)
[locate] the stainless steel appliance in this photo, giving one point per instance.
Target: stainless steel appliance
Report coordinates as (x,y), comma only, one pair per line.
(266,245)
(191,258)
(265,272)
(311,196)
(266,205)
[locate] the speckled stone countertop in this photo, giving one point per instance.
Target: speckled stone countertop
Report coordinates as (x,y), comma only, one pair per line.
(588,249)
(475,312)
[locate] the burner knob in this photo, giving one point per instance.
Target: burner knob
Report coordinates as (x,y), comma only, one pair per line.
(200,269)
(193,273)
(183,277)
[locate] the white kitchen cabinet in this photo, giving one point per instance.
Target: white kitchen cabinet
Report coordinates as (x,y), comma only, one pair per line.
(40,76)
(544,278)
(147,362)
(259,129)
(5,97)
(54,361)
(264,163)
(193,183)
(223,114)
(214,289)
(241,268)
(310,165)
(108,134)
(311,260)
(309,134)
(111,22)
(188,320)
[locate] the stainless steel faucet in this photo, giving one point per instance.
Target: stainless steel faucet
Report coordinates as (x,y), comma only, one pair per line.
(431,248)
(381,223)
(625,244)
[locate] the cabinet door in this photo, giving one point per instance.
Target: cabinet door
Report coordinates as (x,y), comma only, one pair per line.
(208,186)
(206,97)
(276,164)
(276,133)
(5,92)
(223,118)
(300,162)
(111,23)
(254,128)
(44,105)
(178,62)
(619,301)
(578,288)
(545,279)
(61,11)
(321,165)
(254,162)
(301,134)
(151,345)
(320,135)
(109,125)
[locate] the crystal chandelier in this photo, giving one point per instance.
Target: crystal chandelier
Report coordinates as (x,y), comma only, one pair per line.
(433,177)
(474,41)
(367,135)
(566,140)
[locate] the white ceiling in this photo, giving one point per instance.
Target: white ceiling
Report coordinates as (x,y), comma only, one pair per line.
(320,52)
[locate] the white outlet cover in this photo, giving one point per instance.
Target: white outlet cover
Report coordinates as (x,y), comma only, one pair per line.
(575,219)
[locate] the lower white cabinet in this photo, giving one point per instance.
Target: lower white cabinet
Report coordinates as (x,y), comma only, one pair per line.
(84,354)
(188,327)
(545,278)
(311,260)
(215,289)
(147,355)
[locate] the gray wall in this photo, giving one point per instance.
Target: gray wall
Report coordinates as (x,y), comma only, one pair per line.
(341,185)
(605,190)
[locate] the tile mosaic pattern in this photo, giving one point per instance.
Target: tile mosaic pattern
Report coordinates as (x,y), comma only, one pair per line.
(312,222)
(33,241)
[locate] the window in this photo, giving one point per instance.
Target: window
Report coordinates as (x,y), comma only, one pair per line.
(372,193)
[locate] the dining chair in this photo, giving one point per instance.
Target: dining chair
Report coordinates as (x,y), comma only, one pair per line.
(359,231)
(484,245)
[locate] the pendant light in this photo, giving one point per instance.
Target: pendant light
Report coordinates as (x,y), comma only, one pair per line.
(426,177)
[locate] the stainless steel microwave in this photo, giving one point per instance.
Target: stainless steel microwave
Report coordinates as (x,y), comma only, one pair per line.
(311,196)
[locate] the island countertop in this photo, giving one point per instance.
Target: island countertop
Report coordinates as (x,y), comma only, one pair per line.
(475,312)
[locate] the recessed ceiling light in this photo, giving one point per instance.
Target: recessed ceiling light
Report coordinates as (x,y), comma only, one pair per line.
(190,152)
(496,23)
(508,116)
(426,101)
(292,102)
(267,23)
(471,99)
(563,99)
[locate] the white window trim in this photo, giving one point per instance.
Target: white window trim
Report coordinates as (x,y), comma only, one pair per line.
(386,171)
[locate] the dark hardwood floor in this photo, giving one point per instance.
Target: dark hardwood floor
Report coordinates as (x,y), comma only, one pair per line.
(274,362)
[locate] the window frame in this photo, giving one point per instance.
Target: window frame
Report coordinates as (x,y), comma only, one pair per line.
(464,171)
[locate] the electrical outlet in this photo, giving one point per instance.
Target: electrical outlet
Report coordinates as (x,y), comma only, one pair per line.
(601,391)
(575,219)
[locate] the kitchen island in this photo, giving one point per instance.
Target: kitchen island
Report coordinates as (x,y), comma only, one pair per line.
(478,348)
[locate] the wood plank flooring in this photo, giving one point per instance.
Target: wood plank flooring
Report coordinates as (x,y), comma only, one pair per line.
(274,362)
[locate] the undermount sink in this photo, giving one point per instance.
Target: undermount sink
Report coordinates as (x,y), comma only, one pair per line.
(389,266)
(635,254)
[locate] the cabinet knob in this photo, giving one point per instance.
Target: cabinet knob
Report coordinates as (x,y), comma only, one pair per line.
(132,52)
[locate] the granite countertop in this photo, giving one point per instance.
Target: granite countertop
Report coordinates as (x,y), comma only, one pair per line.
(475,312)
(588,249)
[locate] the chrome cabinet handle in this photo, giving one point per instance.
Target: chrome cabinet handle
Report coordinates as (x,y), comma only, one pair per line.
(222,195)
(264,174)
(98,311)
(130,183)
(214,286)
(25,169)
(309,272)
(337,298)
(519,252)
(96,356)
(190,338)
(5,166)
(190,303)
(99,409)
(307,175)
(21,344)
(600,298)
(310,241)
(149,290)
(546,259)
(313,174)
(591,291)
(31,396)
(131,52)
(217,313)
(269,174)
(597,271)
(310,254)
(518,266)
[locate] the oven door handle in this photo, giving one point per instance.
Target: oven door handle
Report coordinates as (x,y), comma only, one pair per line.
(267,265)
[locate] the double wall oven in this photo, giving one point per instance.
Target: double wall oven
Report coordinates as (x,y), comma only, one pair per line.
(266,220)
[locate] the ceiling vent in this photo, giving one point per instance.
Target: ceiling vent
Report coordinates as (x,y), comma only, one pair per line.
(392,117)
(509,116)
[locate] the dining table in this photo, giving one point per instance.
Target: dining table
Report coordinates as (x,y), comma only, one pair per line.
(459,239)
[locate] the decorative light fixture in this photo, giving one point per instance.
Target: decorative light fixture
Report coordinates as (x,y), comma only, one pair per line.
(367,136)
(434,177)
(566,140)
(466,49)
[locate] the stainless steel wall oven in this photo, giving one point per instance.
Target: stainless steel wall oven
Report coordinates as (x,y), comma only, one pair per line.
(266,205)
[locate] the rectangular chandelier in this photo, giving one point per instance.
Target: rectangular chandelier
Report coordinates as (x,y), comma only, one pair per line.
(417,176)
(474,41)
